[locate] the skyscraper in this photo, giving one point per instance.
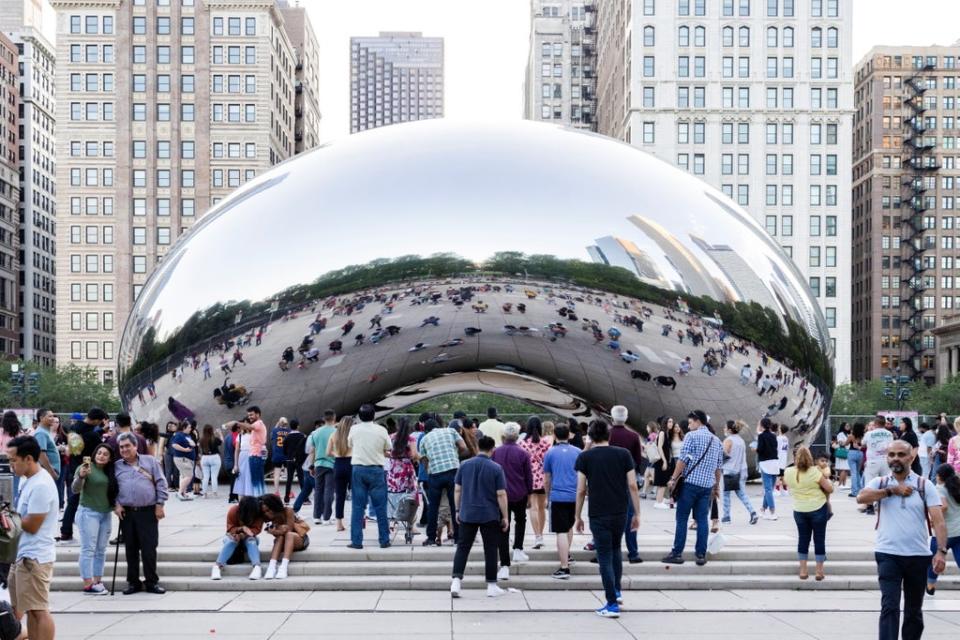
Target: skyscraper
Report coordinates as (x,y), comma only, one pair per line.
(395,77)
(904,208)
(9,200)
(163,108)
(756,98)
(306,130)
(560,85)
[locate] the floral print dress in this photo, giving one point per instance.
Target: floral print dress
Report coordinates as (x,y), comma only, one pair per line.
(537,451)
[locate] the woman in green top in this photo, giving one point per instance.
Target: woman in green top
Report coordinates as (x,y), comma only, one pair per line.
(809,489)
(97,485)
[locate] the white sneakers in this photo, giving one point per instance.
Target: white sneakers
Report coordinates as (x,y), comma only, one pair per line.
(520,556)
(317,521)
(282,571)
(769,515)
(256,573)
(455,588)
(503,573)
(538,542)
(215,573)
(271,571)
(661,505)
(493,590)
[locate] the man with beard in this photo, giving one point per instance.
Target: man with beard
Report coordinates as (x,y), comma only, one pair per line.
(908,507)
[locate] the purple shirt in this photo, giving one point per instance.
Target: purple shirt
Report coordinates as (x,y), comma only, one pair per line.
(517,469)
(621,436)
(141,484)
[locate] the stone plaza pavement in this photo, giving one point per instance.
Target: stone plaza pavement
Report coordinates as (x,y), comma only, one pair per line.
(727,612)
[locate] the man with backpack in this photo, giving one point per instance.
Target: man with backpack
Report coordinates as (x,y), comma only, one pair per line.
(904,522)
(82,438)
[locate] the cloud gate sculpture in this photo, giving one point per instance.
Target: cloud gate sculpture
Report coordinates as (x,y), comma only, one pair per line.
(551,265)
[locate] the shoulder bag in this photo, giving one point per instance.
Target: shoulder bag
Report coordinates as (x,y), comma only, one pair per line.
(678,486)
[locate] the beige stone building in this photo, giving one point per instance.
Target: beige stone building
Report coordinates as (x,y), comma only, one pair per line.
(163,108)
(307,54)
(9,201)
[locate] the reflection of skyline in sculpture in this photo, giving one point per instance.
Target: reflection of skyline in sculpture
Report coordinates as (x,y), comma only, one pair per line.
(745,282)
(457,210)
(618,252)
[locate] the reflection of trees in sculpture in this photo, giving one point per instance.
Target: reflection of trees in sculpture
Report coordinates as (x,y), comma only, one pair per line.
(748,321)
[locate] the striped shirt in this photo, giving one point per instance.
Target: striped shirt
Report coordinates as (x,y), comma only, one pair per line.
(694,445)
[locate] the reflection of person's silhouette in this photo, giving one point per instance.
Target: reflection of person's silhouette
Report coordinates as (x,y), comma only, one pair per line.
(358,340)
(348,327)
(224,364)
(230,394)
(522,308)
(336,347)
(393,330)
(642,375)
(455,342)
(471,331)
(434,320)
(418,347)
(286,358)
(629,356)
(666,381)
(375,321)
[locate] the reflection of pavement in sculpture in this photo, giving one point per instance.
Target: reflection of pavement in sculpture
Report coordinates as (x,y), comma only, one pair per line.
(575,362)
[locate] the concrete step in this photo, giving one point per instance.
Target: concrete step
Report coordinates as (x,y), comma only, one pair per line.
(651,567)
(523,582)
(400,553)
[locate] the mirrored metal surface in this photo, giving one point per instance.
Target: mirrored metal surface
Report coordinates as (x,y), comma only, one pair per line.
(548,264)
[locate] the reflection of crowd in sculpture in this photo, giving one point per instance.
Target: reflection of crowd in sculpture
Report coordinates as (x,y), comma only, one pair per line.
(611,318)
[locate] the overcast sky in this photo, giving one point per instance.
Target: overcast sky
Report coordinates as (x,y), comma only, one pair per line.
(486,45)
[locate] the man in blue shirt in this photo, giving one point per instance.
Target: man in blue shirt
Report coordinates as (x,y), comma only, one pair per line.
(699,465)
(560,483)
(480,495)
(49,454)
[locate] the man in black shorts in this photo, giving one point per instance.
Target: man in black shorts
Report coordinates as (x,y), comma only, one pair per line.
(560,484)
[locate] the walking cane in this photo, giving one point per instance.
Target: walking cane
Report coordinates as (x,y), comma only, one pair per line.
(116,559)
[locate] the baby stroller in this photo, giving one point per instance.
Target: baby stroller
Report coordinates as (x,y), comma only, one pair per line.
(405,514)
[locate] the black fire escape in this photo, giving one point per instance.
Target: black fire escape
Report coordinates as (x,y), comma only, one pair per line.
(920,164)
(588,65)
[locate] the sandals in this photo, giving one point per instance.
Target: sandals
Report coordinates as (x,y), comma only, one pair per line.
(715,527)
(820,576)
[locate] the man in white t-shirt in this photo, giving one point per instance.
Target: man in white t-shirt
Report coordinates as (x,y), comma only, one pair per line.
(876,440)
(907,506)
(38,506)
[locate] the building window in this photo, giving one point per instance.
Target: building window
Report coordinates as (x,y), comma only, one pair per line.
(648,133)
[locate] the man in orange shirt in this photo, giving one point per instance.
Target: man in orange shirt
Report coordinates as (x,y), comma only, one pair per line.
(258,440)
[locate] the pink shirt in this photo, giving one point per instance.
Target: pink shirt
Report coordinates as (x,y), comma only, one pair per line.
(258,438)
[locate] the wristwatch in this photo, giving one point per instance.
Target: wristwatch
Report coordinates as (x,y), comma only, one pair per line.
(889,492)
(943,551)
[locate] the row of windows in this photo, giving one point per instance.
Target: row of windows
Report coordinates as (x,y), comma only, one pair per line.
(815,230)
(91,292)
(90,263)
(775,38)
(91,25)
(929,282)
(90,350)
(233,26)
(188,207)
(91,234)
(163,147)
(820,195)
(91,111)
(775,8)
(94,321)
(187,25)
(830,286)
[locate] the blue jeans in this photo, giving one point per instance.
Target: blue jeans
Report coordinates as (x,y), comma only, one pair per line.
(769,482)
(368,482)
(94,528)
(953,544)
(305,491)
(438,484)
(230,545)
(855,460)
(742,494)
(901,574)
(815,523)
(630,536)
(697,500)
(607,532)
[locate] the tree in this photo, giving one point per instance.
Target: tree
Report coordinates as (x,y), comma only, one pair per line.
(60,389)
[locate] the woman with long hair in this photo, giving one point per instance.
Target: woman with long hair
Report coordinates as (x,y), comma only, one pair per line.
(10,428)
(652,456)
(948,486)
(810,490)
(470,440)
(953,448)
(669,443)
(735,470)
(941,449)
(96,483)
(536,446)
(244,523)
(339,448)
(401,474)
(289,534)
(855,458)
(151,433)
(210,462)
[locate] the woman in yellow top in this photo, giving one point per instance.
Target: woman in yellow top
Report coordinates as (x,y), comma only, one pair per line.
(809,489)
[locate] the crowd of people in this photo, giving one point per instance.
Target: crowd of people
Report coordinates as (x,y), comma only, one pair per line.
(464,477)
